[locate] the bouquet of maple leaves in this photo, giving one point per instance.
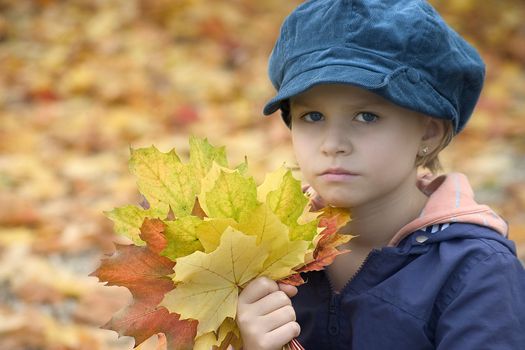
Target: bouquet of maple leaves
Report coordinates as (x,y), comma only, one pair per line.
(205,231)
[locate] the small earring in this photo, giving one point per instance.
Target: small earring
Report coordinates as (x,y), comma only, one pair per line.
(424,150)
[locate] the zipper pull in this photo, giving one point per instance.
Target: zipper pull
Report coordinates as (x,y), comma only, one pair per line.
(333,322)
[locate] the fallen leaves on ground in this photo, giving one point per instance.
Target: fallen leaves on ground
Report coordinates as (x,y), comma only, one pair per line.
(81,82)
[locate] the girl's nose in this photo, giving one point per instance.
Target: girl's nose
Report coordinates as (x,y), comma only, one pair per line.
(336,141)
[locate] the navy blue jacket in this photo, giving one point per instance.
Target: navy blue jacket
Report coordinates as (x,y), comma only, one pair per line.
(462,289)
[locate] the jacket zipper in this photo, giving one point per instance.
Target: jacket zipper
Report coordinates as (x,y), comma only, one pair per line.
(333,292)
(333,319)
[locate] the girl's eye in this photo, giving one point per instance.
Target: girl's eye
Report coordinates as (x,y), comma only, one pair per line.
(312,117)
(366,117)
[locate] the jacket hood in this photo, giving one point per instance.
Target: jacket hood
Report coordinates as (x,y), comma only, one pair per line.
(451,200)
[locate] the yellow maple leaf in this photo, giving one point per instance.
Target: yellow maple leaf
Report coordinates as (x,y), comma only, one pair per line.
(164,180)
(208,284)
(284,195)
(227,329)
(271,183)
(273,235)
(210,230)
(264,224)
(227,194)
(182,237)
(203,155)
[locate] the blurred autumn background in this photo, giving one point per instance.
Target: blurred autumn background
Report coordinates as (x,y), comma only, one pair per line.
(83,80)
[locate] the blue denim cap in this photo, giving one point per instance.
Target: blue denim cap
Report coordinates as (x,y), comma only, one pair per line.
(401,50)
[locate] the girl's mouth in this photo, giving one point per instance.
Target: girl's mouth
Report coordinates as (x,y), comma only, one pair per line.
(338,177)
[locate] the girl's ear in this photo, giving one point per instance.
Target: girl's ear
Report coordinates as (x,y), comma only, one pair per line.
(434,131)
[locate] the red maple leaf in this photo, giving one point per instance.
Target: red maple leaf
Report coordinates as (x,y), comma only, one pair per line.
(326,250)
(144,272)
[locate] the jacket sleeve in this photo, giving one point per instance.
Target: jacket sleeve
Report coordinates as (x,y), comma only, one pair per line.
(486,308)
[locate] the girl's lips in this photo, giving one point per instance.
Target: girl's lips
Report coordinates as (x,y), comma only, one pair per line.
(338,177)
(338,171)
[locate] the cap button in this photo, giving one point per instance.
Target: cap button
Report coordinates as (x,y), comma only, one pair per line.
(413,76)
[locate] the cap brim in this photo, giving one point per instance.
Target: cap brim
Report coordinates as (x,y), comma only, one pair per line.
(333,74)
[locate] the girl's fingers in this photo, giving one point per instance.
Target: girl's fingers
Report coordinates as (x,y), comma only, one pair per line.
(278,318)
(283,334)
(288,289)
(265,315)
(257,289)
(316,201)
(271,303)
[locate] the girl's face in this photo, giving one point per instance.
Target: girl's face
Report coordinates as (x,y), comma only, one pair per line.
(338,126)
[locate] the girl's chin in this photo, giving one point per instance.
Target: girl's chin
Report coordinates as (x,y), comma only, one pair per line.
(341,199)
(338,202)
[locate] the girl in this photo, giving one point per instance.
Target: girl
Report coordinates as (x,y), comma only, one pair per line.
(372,90)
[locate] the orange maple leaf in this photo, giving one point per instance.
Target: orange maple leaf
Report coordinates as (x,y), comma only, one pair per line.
(144,272)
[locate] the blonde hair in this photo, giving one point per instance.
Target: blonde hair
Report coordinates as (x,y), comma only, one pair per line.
(431,161)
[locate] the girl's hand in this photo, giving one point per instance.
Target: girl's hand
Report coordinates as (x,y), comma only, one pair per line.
(265,315)
(316,201)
